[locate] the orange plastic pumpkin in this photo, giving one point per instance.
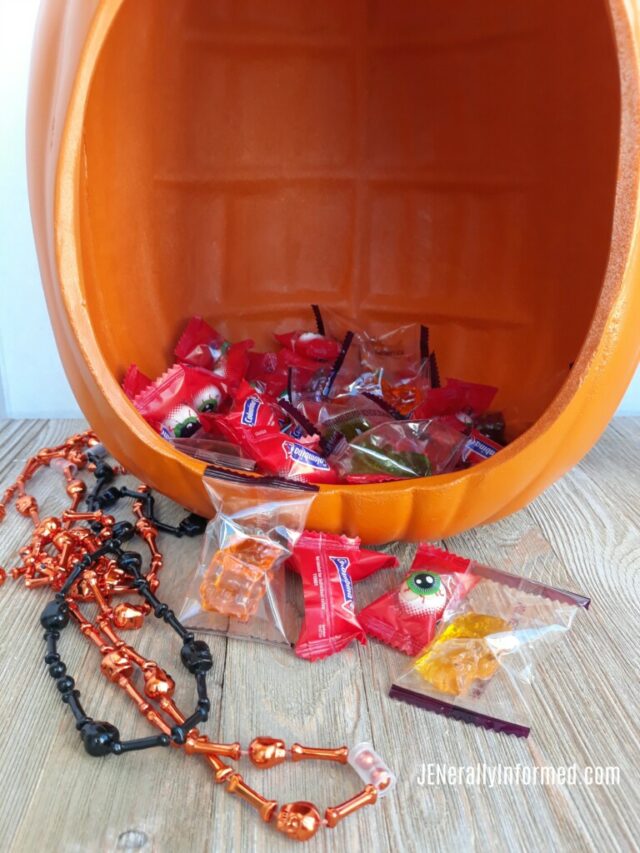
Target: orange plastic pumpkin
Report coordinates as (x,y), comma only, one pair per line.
(470,165)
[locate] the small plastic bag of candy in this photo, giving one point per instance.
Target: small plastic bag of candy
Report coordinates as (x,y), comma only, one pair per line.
(478,667)
(239,587)
(400,449)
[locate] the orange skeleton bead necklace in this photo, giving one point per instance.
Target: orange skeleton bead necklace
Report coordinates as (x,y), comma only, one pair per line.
(79,556)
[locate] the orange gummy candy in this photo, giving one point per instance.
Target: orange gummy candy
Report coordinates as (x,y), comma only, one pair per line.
(236,578)
(460,655)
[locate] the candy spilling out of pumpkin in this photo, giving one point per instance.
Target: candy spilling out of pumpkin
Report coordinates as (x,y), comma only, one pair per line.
(397,162)
(369,410)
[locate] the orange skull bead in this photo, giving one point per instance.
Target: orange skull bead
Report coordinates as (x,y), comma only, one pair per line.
(299,821)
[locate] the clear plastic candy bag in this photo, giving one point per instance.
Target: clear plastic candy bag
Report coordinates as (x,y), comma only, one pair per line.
(400,449)
(495,628)
(239,586)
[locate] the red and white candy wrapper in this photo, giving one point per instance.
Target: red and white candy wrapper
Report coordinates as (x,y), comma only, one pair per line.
(362,563)
(406,616)
(456,396)
(478,447)
(135,381)
(330,623)
(256,424)
(310,345)
(174,401)
(200,345)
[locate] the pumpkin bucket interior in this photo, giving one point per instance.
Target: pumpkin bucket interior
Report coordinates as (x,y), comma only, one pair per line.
(453,164)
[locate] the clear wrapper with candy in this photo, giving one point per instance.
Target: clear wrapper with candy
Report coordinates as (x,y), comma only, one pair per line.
(494,629)
(239,588)
(400,449)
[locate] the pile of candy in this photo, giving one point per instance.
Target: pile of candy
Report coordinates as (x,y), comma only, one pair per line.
(336,405)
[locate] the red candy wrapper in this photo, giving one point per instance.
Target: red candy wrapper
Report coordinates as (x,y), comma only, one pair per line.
(456,396)
(266,370)
(310,345)
(407,615)
(174,401)
(200,345)
(134,381)
(330,623)
(255,423)
(361,562)
(478,447)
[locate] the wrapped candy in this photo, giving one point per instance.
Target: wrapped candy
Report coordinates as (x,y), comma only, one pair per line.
(478,447)
(400,449)
(406,616)
(256,424)
(173,402)
(348,416)
(134,381)
(318,384)
(310,345)
(330,623)
(239,585)
(495,627)
(492,425)
(454,397)
(360,562)
(265,370)
(200,345)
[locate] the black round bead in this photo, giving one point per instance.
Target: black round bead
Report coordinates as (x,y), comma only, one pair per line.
(55,616)
(130,561)
(57,669)
(99,738)
(196,656)
(96,526)
(54,657)
(65,684)
(123,531)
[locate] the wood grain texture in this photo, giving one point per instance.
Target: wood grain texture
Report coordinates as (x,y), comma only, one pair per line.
(583,534)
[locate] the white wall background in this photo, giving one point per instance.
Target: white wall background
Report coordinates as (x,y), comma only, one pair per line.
(32,382)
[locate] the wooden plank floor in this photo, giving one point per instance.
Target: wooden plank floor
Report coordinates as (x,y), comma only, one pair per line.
(54,797)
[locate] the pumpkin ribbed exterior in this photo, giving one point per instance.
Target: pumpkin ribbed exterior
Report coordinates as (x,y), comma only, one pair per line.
(475,170)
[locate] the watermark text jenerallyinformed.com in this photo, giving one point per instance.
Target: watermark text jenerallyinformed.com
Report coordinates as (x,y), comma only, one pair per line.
(491,775)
